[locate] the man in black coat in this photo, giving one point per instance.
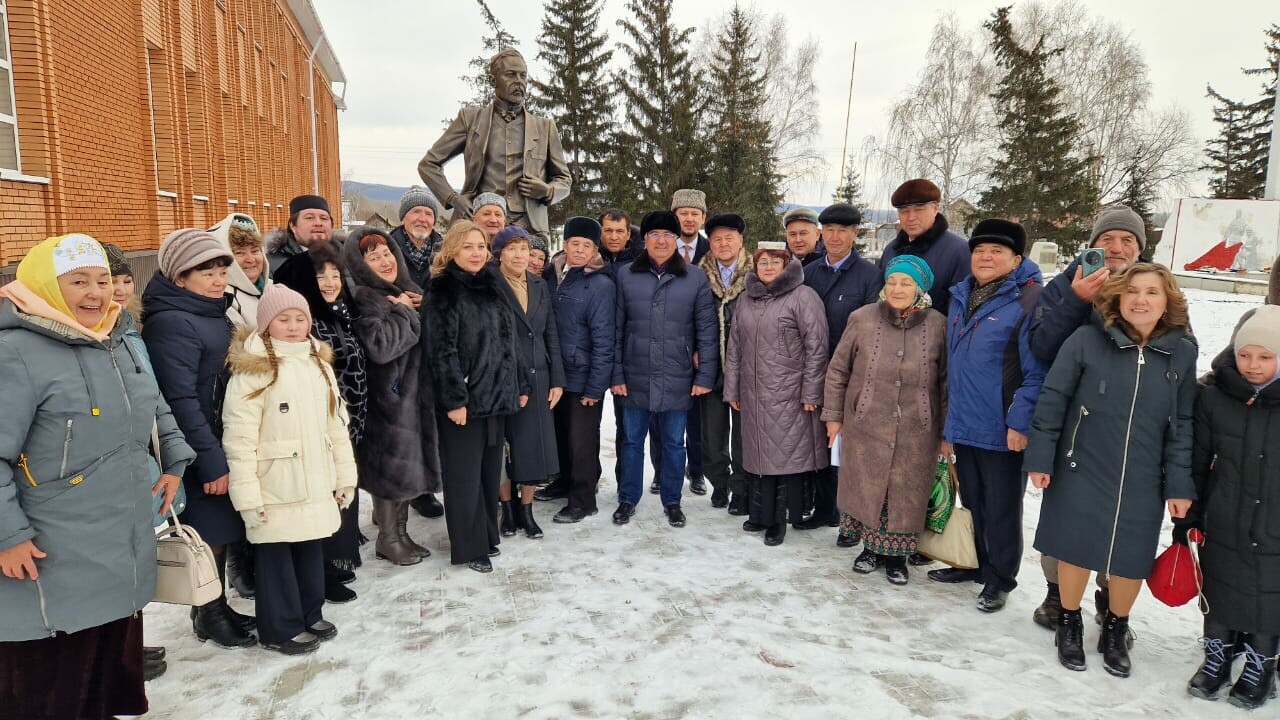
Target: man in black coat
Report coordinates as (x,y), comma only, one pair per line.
(924,233)
(690,207)
(666,321)
(845,282)
(804,240)
(1065,305)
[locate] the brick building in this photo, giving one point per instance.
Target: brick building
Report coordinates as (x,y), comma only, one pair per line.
(126,119)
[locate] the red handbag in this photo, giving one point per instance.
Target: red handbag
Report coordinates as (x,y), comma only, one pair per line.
(1176,578)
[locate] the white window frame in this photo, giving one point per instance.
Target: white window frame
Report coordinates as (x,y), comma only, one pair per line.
(7,64)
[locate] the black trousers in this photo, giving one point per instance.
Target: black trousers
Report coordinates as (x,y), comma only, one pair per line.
(772,497)
(290,589)
(722,443)
(991,487)
(825,483)
(342,549)
(578,443)
(692,441)
(471,461)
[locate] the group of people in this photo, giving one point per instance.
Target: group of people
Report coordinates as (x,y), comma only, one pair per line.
(271,378)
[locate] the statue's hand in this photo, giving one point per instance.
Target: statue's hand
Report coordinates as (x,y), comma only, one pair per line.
(534,188)
(461,207)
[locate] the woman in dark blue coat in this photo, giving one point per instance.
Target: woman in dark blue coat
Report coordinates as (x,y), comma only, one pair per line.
(187,334)
(1111,446)
(531,432)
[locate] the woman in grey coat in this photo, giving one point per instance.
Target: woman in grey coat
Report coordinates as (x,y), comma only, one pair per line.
(1110,444)
(76,545)
(884,400)
(398,456)
(773,377)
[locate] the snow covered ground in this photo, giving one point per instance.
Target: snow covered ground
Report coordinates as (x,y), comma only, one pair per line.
(648,621)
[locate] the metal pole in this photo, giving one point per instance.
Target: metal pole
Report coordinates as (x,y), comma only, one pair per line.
(848,112)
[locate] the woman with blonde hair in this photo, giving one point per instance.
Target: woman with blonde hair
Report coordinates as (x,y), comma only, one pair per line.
(1110,445)
(474,368)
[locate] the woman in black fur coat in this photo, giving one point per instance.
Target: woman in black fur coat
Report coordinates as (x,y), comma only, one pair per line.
(474,369)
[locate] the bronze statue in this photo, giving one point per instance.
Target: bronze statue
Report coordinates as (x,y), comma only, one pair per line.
(506,150)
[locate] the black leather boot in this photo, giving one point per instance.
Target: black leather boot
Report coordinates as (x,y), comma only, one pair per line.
(531,529)
(427,505)
(402,527)
(1220,650)
(1114,646)
(239,570)
(152,669)
(1069,637)
(1046,615)
(389,545)
(895,569)
(213,621)
(507,520)
(1257,682)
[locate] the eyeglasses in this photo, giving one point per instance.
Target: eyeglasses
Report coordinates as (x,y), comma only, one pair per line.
(655,235)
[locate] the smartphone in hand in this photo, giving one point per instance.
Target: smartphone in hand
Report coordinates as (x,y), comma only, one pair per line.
(1092,260)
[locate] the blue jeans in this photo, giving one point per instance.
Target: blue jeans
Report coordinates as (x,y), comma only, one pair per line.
(635,424)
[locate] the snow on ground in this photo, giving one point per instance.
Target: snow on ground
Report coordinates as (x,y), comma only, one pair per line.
(649,621)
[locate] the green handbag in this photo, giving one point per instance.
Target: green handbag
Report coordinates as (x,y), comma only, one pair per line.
(942,499)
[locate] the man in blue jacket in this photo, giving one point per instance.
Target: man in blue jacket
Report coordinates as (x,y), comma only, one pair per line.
(845,282)
(993,383)
(666,354)
(584,302)
(1064,307)
(923,232)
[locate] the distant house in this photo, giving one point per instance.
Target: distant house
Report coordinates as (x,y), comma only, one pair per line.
(376,220)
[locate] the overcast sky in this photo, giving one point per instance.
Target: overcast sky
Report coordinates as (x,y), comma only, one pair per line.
(404,58)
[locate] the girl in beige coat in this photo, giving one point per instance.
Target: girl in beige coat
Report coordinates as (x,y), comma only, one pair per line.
(291,465)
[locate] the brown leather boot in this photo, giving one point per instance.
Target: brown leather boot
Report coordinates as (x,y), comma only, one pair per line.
(402,526)
(390,545)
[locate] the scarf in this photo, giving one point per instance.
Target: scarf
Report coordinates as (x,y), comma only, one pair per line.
(923,302)
(36,291)
(983,293)
(419,258)
(519,286)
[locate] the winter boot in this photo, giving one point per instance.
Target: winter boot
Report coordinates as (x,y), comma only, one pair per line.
(427,505)
(776,532)
(1257,682)
(389,545)
(1219,652)
(1113,644)
(507,523)
(1069,638)
(402,528)
(739,504)
(895,569)
(239,570)
(335,585)
(152,669)
(531,529)
(1046,615)
(212,621)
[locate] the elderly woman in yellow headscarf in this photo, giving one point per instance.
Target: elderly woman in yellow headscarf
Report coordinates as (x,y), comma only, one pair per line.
(77,550)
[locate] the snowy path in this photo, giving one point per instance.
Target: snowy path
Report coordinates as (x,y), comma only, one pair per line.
(648,621)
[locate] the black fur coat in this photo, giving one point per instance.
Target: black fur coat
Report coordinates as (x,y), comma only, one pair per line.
(472,333)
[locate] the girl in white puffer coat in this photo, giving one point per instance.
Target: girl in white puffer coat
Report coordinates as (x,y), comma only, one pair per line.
(291,463)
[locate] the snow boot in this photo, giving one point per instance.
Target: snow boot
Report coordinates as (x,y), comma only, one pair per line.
(1069,637)
(1113,644)
(895,569)
(1046,615)
(213,621)
(1257,682)
(1219,652)
(531,529)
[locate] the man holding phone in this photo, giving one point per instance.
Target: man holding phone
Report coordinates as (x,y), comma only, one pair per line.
(1066,305)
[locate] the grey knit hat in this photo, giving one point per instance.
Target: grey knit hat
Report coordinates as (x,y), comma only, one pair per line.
(686,197)
(1262,328)
(488,198)
(418,197)
(186,248)
(1119,217)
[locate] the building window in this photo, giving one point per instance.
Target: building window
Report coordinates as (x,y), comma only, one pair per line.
(162,126)
(9,159)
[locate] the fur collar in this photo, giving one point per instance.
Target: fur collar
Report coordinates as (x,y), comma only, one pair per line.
(676,265)
(594,264)
(737,281)
(248,353)
(921,244)
(792,277)
(362,275)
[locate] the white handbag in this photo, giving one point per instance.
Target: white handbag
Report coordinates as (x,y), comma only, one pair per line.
(186,573)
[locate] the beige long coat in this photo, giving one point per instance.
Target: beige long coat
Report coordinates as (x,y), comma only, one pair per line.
(885,382)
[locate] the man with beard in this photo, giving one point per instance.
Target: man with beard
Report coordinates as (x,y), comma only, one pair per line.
(309,222)
(419,241)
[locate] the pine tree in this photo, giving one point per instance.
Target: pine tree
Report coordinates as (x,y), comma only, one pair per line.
(1037,179)
(742,175)
(850,190)
(1261,112)
(657,149)
(1229,152)
(578,95)
(495,42)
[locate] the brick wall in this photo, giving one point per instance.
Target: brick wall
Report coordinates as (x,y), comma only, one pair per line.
(136,117)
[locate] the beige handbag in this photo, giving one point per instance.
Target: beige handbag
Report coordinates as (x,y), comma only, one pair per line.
(186,573)
(954,545)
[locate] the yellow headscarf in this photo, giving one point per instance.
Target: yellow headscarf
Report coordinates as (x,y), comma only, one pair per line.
(36,290)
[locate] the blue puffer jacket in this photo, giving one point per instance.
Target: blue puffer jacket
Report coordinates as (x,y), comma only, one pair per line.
(1059,313)
(662,321)
(855,284)
(993,378)
(585,303)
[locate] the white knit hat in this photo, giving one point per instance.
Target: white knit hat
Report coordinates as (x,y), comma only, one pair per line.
(1261,329)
